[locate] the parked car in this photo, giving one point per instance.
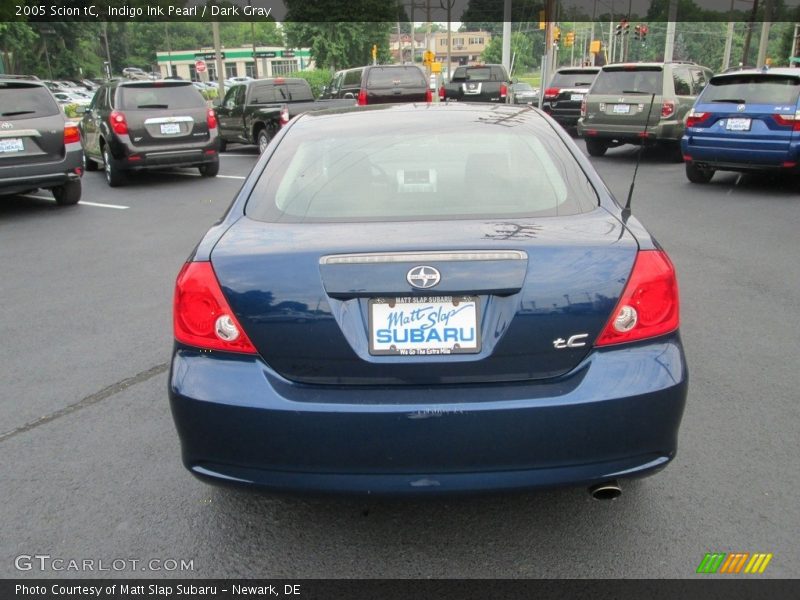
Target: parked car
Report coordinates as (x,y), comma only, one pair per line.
(134,73)
(522,93)
(478,83)
(38,148)
(616,108)
(414,300)
(380,84)
(254,111)
(136,125)
(564,95)
(71,98)
(744,121)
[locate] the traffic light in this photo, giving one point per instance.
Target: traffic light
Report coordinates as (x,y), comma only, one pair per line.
(570,40)
(622,27)
(556,35)
(626,28)
(643,29)
(542,24)
(374,52)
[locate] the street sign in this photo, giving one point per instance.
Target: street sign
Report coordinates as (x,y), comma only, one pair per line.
(200,66)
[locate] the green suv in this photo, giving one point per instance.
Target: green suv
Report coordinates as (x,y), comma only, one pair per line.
(615,110)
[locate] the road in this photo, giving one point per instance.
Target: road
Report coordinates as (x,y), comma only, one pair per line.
(90,459)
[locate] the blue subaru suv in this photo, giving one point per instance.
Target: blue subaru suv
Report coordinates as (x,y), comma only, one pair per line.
(744,121)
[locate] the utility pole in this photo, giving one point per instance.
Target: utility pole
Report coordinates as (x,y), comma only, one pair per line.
(108,52)
(749,33)
(218,59)
(169,49)
(669,43)
(764,39)
(726,58)
(507,35)
(253,37)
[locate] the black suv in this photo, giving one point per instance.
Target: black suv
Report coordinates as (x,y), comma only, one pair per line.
(38,147)
(134,125)
(380,84)
(477,83)
(563,97)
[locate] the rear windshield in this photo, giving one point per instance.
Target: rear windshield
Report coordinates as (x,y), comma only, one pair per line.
(22,101)
(753,89)
(478,74)
(396,77)
(629,81)
(159,95)
(573,79)
(413,167)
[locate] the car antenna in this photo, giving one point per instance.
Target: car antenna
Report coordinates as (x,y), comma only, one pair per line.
(627,210)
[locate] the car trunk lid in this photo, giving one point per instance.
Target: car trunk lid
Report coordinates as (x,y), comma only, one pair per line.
(314,297)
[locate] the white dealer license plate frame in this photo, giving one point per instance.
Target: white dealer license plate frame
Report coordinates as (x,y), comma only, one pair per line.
(399,316)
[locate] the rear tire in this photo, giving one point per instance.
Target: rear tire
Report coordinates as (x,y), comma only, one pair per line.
(89,164)
(209,169)
(114,177)
(223,145)
(697,175)
(596,147)
(262,139)
(68,194)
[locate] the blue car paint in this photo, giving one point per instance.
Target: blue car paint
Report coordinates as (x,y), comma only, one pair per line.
(614,415)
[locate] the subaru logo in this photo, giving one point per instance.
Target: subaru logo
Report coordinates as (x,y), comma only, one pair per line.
(423,277)
(740,108)
(6,125)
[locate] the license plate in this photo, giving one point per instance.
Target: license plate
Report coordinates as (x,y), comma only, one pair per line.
(170,128)
(12,145)
(738,125)
(622,109)
(576,97)
(421,326)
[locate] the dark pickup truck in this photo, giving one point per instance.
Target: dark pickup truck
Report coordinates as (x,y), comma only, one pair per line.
(478,83)
(252,112)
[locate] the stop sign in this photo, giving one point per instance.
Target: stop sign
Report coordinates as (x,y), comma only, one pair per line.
(200,66)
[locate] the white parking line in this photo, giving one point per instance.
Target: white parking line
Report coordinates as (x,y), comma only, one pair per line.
(97,204)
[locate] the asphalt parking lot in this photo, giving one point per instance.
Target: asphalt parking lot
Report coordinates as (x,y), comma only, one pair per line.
(91,466)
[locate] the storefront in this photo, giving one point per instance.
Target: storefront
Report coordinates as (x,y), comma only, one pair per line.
(271,61)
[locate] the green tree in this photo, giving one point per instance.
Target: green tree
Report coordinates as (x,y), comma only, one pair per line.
(521,50)
(340,45)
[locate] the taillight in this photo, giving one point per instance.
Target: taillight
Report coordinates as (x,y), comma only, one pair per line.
(503,90)
(118,123)
(792,121)
(362,97)
(284,115)
(696,119)
(583,107)
(202,316)
(551,93)
(648,306)
(667,108)
(211,119)
(442,95)
(428,95)
(71,134)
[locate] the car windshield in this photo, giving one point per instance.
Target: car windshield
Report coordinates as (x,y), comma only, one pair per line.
(418,166)
(629,80)
(24,101)
(753,89)
(159,95)
(573,79)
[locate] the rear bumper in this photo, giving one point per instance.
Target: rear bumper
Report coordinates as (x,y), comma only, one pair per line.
(138,158)
(615,416)
(743,157)
(631,134)
(20,178)
(565,116)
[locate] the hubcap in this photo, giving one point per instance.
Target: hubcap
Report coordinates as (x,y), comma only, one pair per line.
(262,142)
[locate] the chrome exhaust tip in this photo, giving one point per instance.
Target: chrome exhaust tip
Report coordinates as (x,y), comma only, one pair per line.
(608,490)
